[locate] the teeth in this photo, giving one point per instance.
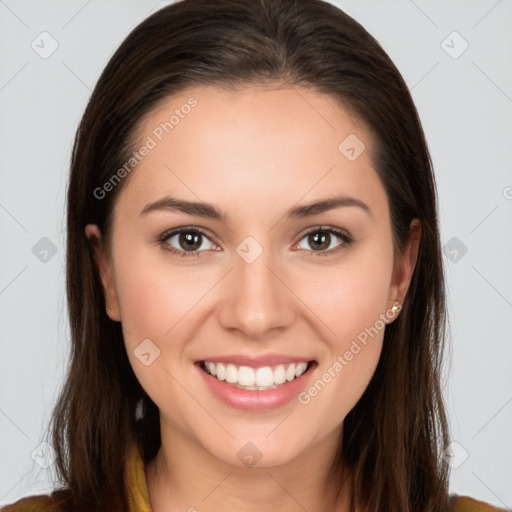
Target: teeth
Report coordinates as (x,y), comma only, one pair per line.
(300,369)
(279,374)
(264,376)
(220,371)
(261,379)
(212,368)
(247,377)
(231,374)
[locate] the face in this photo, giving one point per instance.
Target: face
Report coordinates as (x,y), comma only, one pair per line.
(284,302)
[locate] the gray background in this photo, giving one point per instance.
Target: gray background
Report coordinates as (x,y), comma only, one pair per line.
(465,103)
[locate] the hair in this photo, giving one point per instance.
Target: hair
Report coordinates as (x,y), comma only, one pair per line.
(394,436)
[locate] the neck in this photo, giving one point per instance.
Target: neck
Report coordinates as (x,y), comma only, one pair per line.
(183,476)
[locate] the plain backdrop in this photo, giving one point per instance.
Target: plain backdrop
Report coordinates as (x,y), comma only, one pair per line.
(455,57)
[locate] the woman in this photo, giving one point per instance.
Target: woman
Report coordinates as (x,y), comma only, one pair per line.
(254,276)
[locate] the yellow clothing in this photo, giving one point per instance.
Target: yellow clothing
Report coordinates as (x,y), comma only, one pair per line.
(138,496)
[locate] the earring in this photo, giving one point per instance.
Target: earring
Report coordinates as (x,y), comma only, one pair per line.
(396,307)
(110,307)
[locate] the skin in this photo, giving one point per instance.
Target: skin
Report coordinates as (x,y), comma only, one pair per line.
(254,153)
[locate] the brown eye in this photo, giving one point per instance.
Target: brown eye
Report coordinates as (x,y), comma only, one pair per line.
(322,241)
(186,242)
(190,242)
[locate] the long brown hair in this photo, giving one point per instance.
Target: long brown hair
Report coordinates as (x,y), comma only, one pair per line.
(394,436)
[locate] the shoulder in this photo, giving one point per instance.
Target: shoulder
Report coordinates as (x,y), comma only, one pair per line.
(467,504)
(39,503)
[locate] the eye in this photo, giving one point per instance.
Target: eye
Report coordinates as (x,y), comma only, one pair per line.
(321,239)
(190,242)
(186,242)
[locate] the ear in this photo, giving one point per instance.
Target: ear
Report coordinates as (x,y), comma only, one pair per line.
(404,265)
(104,265)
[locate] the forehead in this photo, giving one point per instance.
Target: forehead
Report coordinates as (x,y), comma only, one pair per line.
(257,145)
(260,108)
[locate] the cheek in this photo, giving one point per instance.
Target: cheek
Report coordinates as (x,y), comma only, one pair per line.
(160,302)
(351,305)
(154,301)
(154,295)
(351,296)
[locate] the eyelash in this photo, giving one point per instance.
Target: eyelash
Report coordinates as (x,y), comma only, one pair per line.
(343,235)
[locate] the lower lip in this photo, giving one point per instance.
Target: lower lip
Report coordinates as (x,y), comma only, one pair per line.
(254,399)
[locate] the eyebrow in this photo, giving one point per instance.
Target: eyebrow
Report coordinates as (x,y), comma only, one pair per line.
(210,211)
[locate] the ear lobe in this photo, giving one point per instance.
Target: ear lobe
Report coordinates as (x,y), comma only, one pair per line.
(406,263)
(103,265)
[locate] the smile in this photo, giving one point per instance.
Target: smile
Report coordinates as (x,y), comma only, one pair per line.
(261,379)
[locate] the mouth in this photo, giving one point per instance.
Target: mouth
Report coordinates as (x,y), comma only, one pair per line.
(256,378)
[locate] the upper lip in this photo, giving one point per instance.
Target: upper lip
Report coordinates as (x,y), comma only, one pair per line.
(256,361)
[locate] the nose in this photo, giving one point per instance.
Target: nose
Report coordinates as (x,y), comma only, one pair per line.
(256,298)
